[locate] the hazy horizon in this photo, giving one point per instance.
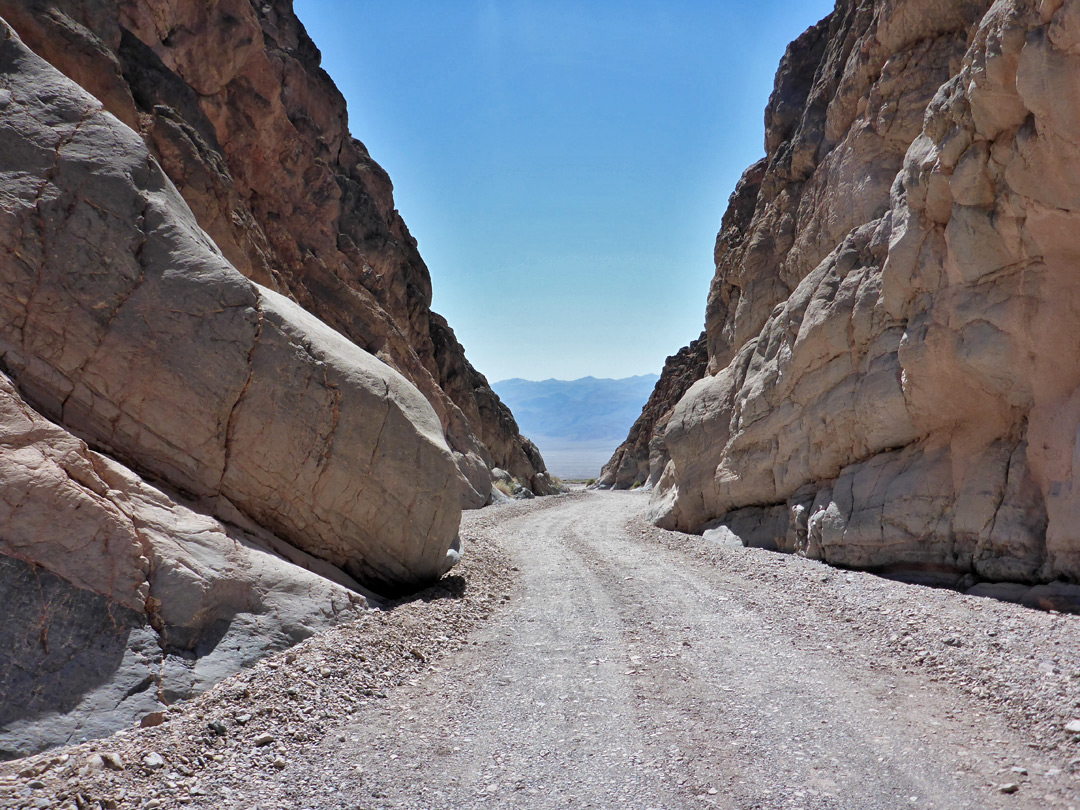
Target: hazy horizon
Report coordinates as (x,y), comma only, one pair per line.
(564,166)
(577,379)
(577,424)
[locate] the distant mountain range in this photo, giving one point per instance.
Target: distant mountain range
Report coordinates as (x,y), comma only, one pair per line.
(585,410)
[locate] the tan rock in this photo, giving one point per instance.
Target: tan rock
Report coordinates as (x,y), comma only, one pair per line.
(890,390)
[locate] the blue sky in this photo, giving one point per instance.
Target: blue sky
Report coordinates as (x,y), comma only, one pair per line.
(563,165)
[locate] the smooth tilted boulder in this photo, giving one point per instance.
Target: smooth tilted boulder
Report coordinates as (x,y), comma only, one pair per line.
(194,471)
(123,322)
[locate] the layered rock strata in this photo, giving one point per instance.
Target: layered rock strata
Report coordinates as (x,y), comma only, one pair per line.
(230,99)
(640,460)
(194,469)
(892,384)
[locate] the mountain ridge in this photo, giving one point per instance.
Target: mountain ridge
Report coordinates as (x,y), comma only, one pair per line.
(586,409)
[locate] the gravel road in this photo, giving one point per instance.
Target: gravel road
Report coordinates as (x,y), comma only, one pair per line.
(595,661)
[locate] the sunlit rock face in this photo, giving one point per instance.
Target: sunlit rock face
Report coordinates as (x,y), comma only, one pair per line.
(893,382)
(231,101)
(226,410)
(640,460)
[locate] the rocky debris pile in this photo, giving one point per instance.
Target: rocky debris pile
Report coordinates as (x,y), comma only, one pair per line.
(207,751)
(641,459)
(885,384)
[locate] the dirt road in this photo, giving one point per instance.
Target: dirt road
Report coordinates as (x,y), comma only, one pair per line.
(628,673)
(619,666)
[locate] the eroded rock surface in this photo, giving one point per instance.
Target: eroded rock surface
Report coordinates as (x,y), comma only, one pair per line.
(889,382)
(230,99)
(290,467)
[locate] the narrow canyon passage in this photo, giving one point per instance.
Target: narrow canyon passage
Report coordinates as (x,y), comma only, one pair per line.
(626,672)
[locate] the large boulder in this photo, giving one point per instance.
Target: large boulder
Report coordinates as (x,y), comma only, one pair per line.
(193,469)
(123,322)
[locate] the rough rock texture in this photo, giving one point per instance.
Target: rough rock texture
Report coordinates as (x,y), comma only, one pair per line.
(892,380)
(121,598)
(230,99)
(122,322)
(290,464)
(641,459)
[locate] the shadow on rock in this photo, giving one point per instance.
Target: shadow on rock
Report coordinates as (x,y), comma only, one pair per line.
(451,586)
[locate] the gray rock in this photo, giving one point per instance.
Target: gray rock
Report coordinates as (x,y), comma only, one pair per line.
(1060,596)
(722,535)
(92,673)
(123,322)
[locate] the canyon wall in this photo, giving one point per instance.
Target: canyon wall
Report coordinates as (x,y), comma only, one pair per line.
(226,409)
(641,459)
(231,101)
(892,378)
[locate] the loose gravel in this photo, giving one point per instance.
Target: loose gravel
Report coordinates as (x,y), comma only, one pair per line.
(581,657)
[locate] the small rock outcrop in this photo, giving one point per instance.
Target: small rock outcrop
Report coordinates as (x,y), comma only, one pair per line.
(888,384)
(641,459)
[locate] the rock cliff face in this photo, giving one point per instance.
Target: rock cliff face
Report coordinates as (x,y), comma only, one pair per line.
(892,382)
(230,99)
(225,407)
(641,459)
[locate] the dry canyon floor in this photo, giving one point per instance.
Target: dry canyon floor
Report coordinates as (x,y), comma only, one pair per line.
(580,658)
